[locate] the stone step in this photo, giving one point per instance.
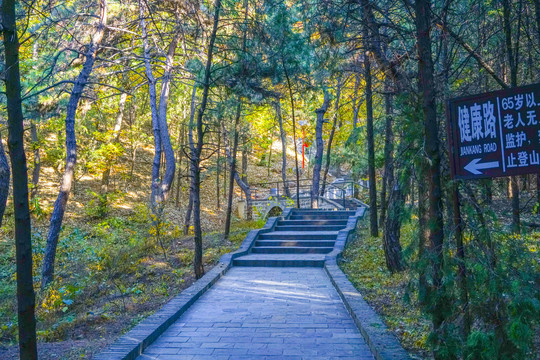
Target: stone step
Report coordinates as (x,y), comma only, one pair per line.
(342,222)
(295,235)
(310,228)
(281,260)
(301,243)
(318,217)
(290,250)
(322,212)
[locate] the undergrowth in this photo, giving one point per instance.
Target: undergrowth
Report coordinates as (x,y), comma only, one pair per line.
(508,286)
(364,264)
(110,274)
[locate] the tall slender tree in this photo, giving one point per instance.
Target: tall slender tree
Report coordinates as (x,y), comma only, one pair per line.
(71,147)
(433,176)
(23,231)
(196,150)
(319,151)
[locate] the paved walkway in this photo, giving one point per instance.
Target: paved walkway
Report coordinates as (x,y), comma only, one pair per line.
(264,313)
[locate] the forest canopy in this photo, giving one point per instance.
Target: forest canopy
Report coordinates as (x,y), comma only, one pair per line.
(131,128)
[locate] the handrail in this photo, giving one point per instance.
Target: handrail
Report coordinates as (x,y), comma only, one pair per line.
(342,190)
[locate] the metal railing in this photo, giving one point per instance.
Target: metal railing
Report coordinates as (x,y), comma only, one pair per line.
(341,191)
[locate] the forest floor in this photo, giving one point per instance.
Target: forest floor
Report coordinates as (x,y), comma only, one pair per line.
(113,269)
(364,264)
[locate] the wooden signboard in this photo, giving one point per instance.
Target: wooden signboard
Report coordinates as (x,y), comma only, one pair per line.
(495,134)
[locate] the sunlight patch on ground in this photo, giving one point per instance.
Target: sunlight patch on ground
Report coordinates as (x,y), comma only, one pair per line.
(268,282)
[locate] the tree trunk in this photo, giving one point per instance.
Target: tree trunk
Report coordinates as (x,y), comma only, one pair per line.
(294,134)
(23,232)
(277,106)
(234,175)
(71,149)
(245,186)
(319,151)
(170,162)
(162,140)
(4,180)
(388,150)
(331,137)
(269,162)
(37,159)
(193,151)
(156,164)
(512,64)
(462,270)
(537,16)
(392,228)
(218,204)
(189,210)
(371,144)
(105,177)
(232,169)
(181,141)
(356,101)
(431,131)
(396,198)
(423,288)
(538,188)
(196,155)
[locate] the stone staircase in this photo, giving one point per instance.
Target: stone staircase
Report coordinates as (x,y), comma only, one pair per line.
(303,239)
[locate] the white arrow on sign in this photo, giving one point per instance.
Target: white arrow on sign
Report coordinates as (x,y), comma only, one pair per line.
(474,166)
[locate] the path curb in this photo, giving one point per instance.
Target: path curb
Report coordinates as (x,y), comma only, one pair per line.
(381,341)
(133,343)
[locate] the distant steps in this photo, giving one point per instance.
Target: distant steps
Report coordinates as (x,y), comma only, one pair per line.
(302,240)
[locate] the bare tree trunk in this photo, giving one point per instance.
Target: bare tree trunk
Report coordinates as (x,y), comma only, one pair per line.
(244,178)
(331,137)
(71,149)
(162,140)
(218,204)
(423,288)
(156,164)
(431,131)
(356,101)
(193,151)
(462,269)
(196,154)
(234,175)
(374,228)
(23,231)
(294,134)
(4,180)
(388,158)
(170,162)
(538,188)
(37,159)
(512,64)
(105,178)
(181,141)
(319,152)
(232,168)
(269,162)
(396,197)
(537,16)
(277,106)
(392,229)
(232,159)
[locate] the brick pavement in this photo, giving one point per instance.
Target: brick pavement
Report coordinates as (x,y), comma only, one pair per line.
(264,313)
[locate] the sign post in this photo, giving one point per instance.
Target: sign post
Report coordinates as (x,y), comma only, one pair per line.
(495,134)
